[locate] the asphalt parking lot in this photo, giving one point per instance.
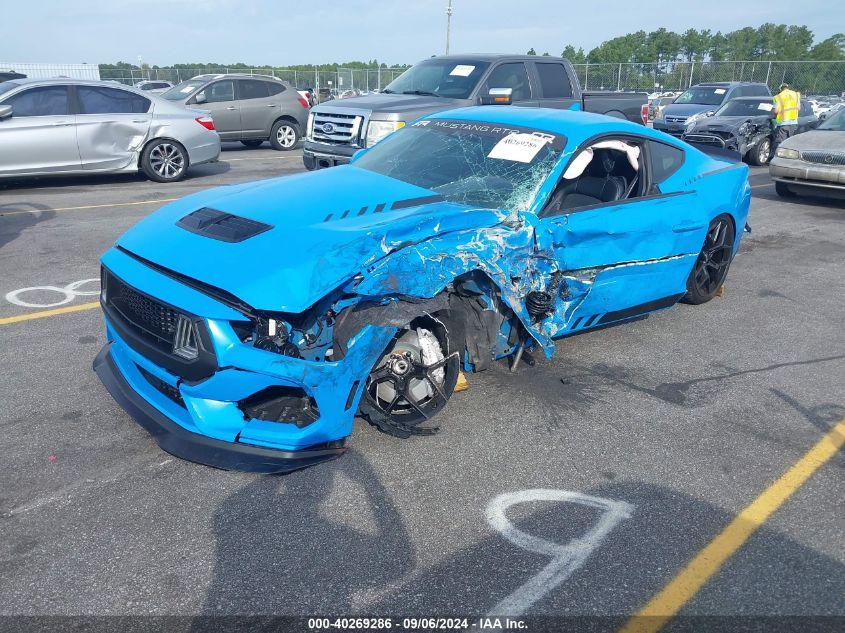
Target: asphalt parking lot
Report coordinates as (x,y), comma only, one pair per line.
(675,423)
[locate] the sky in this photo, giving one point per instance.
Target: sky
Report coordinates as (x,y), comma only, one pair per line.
(279,32)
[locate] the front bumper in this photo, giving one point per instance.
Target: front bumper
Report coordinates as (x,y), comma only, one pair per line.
(799,172)
(201,412)
(200,448)
(675,129)
(321,155)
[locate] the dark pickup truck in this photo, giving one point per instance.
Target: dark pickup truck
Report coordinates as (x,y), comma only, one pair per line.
(337,129)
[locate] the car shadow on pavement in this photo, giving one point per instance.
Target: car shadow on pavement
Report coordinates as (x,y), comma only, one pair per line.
(278,554)
(19,216)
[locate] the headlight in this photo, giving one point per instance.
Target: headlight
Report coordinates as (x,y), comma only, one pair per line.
(697,117)
(745,128)
(785,152)
(377,130)
(309,128)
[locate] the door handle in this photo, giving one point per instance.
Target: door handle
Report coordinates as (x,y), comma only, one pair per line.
(140,120)
(271,105)
(686,228)
(231,108)
(62,123)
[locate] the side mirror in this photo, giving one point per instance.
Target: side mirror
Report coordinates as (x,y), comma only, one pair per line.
(200,98)
(5,112)
(498,96)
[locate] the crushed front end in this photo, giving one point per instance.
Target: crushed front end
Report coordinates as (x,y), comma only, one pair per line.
(215,385)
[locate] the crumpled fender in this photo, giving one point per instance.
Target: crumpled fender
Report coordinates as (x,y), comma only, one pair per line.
(423,270)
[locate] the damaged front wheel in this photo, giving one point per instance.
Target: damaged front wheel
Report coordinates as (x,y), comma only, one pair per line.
(412,381)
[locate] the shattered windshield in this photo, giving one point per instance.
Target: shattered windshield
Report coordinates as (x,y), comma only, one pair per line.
(468,162)
(439,78)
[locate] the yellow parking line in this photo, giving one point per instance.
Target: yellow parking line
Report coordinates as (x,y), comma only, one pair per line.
(681,589)
(768,184)
(47,313)
(92,206)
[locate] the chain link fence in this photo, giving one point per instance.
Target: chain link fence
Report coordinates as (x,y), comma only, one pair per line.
(49,71)
(326,82)
(810,77)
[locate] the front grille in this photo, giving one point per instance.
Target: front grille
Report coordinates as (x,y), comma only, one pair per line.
(337,129)
(156,321)
(824,158)
(675,119)
(169,391)
(705,139)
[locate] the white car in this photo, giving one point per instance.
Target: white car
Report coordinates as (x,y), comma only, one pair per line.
(154,86)
(68,126)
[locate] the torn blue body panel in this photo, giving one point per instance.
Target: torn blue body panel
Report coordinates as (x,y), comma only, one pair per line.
(247,319)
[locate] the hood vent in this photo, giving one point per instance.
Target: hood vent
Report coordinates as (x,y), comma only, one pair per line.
(219,225)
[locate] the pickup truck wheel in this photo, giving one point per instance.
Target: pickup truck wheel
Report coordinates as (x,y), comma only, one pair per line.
(712,265)
(412,381)
(760,155)
(284,136)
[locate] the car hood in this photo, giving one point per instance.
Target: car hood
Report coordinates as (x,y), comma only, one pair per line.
(324,227)
(392,103)
(686,109)
(726,123)
(816,139)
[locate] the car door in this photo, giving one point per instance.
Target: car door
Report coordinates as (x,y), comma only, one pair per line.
(630,256)
(257,107)
(40,135)
(111,126)
(554,85)
(513,75)
(218,98)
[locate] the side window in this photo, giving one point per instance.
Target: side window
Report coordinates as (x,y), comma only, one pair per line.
(512,76)
(46,101)
(253,89)
(759,91)
(554,81)
(99,100)
(275,87)
(219,91)
(805,109)
(665,161)
(608,171)
(738,92)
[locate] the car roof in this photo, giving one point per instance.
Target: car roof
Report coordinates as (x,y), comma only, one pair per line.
(575,125)
(210,76)
(727,84)
(754,98)
(492,57)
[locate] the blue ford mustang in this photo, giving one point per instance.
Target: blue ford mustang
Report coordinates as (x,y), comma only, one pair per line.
(247,325)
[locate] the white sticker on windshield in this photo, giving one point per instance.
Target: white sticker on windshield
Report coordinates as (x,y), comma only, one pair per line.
(462,70)
(720,91)
(765,106)
(187,89)
(520,147)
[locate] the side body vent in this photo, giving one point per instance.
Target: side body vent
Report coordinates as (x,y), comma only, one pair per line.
(219,225)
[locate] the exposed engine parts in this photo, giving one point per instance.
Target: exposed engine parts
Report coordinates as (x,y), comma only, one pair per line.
(539,304)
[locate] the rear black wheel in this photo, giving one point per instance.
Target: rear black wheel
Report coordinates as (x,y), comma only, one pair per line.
(412,381)
(712,265)
(164,160)
(253,142)
(783,190)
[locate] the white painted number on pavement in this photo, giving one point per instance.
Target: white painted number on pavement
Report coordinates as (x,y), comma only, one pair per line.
(68,292)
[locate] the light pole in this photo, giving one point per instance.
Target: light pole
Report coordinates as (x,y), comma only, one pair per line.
(448,24)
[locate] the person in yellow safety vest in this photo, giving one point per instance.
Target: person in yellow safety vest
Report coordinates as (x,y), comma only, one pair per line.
(787,104)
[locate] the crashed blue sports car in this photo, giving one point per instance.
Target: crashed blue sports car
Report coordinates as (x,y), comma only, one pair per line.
(248,325)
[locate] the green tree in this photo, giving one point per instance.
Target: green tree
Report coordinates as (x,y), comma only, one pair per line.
(573,55)
(531,51)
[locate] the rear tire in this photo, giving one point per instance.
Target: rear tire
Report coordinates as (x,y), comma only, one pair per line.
(284,136)
(761,154)
(412,381)
(253,142)
(711,268)
(164,160)
(783,190)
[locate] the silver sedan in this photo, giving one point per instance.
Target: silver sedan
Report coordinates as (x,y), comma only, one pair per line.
(66,126)
(812,162)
